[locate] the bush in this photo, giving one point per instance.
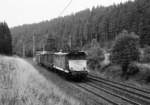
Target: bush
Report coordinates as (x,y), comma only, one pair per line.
(145,57)
(132,69)
(125,50)
(95,55)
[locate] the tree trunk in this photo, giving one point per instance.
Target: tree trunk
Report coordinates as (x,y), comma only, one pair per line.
(124,69)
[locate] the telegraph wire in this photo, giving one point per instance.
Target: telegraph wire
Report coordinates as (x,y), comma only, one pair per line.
(65,8)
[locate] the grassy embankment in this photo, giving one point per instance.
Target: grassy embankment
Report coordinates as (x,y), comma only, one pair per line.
(21,84)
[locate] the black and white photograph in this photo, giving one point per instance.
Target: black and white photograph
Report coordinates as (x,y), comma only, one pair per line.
(75,52)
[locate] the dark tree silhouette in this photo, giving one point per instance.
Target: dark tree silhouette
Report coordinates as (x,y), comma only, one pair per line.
(5,39)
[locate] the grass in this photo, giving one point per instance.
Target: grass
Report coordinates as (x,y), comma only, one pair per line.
(69,87)
(21,84)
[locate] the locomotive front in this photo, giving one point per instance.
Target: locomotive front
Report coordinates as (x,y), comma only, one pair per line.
(77,63)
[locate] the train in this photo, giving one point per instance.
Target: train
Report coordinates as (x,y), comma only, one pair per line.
(71,64)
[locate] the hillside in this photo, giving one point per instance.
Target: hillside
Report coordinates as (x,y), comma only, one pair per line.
(78,30)
(22,84)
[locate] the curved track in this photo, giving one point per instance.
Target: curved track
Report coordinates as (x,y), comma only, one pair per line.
(90,91)
(125,92)
(121,84)
(108,96)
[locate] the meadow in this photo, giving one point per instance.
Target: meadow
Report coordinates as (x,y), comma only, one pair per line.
(22,84)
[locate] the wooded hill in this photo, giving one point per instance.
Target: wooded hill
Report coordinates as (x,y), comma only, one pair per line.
(78,30)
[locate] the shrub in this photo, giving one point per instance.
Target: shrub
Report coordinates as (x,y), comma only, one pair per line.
(95,55)
(125,50)
(132,69)
(146,55)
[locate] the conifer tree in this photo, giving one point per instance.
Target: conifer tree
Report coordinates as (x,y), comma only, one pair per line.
(5,40)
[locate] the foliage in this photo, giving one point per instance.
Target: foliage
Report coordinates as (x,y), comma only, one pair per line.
(146,55)
(145,37)
(79,29)
(50,44)
(133,69)
(147,50)
(125,50)
(5,39)
(95,55)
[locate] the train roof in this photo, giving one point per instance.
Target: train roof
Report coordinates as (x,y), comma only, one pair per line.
(72,53)
(43,52)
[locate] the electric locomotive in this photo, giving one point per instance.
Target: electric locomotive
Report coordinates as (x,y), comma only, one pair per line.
(72,64)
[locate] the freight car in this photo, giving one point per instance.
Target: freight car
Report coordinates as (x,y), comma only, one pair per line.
(72,64)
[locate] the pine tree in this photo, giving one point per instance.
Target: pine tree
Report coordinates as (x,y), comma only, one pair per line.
(5,39)
(50,44)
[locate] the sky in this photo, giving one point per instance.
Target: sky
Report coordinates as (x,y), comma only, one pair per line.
(19,12)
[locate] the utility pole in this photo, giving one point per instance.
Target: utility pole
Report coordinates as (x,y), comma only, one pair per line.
(70,42)
(43,47)
(23,50)
(33,38)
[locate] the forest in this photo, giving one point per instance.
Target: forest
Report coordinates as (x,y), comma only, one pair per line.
(77,31)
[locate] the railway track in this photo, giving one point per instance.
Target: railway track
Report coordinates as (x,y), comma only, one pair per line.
(139,96)
(109,97)
(125,85)
(90,91)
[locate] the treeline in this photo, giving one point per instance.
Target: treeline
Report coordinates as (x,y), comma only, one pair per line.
(78,30)
(5,40)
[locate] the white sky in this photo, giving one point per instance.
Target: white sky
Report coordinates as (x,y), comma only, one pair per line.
(18,12)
